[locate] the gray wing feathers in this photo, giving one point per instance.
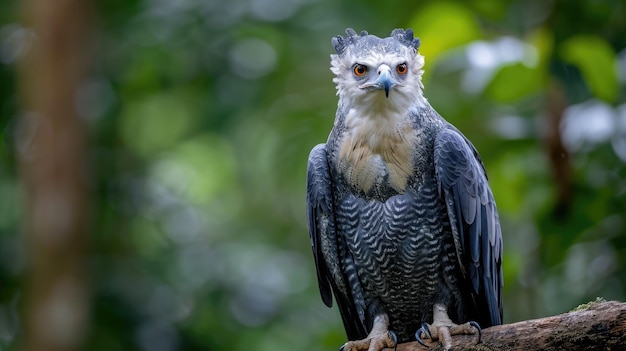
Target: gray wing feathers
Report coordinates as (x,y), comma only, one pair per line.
(319,205)
(474,219)
(326,245)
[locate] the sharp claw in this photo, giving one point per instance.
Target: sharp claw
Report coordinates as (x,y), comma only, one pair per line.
(395,339)
(342,347)
(418,337)
(480,334)
(418,334)
(427,330)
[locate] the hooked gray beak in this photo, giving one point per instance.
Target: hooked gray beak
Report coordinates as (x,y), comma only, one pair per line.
(384,81)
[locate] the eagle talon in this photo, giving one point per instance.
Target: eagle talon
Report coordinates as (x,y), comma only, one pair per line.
(426,329)
(477,326)
(418,334)
(395,339)
(444,331)
(379,338)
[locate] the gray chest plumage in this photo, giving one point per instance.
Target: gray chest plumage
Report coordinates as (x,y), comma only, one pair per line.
(396,250)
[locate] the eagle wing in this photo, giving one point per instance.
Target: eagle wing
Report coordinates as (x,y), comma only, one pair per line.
(328,249)
(474,220)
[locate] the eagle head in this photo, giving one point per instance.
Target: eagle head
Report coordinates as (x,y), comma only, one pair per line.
(369,69)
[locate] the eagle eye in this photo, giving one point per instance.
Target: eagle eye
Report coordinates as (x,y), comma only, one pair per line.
(401,69)
(359,70)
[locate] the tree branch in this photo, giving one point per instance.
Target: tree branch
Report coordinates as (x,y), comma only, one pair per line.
(600,326)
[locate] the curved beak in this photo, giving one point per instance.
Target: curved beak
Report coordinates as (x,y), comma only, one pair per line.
(384,81)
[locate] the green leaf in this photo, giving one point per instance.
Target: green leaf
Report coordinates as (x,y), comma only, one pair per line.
(542,39)
(155,123)
(198,169)
(442,26)
(596,61)
(514,82)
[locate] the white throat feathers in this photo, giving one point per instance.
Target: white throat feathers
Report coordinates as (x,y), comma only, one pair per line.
(378,138)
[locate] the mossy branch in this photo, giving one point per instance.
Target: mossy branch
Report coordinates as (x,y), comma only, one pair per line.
(593,326)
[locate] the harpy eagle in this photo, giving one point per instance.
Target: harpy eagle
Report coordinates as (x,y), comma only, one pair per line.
(403,224)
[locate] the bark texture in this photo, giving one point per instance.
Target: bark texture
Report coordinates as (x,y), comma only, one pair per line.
(600,326)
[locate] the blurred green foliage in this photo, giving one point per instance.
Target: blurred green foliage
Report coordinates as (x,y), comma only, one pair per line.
(203,113)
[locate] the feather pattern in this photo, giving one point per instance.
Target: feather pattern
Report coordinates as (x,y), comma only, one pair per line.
(400,213)
(462,178)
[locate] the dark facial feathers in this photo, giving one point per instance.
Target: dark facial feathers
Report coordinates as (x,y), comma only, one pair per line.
(406,37)
(340,44)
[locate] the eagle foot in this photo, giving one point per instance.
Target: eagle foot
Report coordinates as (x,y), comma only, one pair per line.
(376,342)
(444,332)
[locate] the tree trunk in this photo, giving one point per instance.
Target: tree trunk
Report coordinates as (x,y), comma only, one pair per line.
(52,151)
(600,326)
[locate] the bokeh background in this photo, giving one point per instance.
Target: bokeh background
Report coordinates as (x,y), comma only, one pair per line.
(201,114)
